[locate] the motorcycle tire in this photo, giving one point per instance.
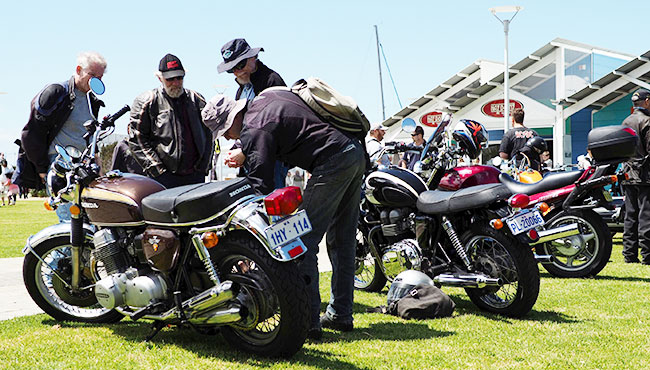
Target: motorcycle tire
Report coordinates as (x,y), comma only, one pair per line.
(587,253)
(51,294)
(499,255)
(367,274)
(277,318)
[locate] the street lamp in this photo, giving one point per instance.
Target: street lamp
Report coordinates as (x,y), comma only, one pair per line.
(506,72)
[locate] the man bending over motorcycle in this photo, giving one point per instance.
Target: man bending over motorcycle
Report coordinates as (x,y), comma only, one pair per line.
(278,125)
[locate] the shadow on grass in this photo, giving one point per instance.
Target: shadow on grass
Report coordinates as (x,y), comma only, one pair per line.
(466,307)
(216,347)
(623,278)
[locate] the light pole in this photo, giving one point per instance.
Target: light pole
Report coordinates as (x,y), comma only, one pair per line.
(506,72)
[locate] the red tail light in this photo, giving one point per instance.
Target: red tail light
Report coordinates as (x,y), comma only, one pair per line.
(630,131)
(519,201)
(282,202)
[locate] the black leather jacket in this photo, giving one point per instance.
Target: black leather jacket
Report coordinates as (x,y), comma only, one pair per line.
(49,111)
(155,132)
(638,168)
(264,77)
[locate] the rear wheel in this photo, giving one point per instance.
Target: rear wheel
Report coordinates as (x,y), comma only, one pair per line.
(46,281)
(273,294)
(367,275)
(582,255)
(498,255)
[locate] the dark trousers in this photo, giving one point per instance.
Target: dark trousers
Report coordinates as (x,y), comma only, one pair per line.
(636,232)
(171,180)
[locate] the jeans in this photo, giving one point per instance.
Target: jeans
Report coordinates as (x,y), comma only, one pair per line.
(636,232)
(331,201)
(63,210)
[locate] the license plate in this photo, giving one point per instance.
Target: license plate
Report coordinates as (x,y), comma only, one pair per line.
(525,221)
(288,229)
(607,195)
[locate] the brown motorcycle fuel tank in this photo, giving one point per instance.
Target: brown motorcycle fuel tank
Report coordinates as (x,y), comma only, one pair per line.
(116,200)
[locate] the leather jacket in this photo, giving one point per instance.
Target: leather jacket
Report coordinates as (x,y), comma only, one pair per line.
(155,132)
(638,167)
(50,108)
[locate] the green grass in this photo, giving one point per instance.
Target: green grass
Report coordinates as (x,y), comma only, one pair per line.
(600,323)
(18,222)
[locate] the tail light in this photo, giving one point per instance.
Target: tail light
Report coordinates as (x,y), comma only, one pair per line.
(283,202)
(533,235)
(519,201)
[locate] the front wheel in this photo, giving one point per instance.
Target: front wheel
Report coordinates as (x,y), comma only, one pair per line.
(498,255)
(43,276)
(367,274)
(273,294)
(582,255)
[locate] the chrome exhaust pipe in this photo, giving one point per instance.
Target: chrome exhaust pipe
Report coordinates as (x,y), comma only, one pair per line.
(224,315)
(467,280)
(556,233)
(544,259)
(195,306)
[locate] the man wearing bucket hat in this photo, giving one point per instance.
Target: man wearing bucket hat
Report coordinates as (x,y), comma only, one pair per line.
(278,125)
(167,136)
(636,229)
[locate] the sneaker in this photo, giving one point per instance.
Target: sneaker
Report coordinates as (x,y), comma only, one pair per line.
(315,333)
(327,322)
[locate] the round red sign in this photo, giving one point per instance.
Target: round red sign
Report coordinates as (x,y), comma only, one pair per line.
(495,108)
(431,119)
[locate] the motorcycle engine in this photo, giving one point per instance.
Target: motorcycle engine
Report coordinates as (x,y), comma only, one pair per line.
(403,253)
(124,285)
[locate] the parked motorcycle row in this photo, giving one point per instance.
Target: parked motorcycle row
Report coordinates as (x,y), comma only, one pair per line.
(216,257)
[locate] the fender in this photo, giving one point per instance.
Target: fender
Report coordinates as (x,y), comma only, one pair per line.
(249,218)
(55,231)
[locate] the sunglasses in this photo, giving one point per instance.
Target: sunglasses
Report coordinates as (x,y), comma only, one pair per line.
(177,78)
(239,66)
(415,134)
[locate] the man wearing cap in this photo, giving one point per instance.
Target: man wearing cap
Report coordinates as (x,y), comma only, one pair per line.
(253,77)
(374,144)
(412,156)
(57,116)
(636,230)
(278,125)
(166,134)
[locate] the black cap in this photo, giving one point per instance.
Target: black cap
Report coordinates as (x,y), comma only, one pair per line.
(171,66)
(234,51)
(418,130)
(640,94)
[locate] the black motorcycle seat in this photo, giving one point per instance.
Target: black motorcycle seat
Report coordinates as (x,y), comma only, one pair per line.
(441,202)
(548,182)
(192,203)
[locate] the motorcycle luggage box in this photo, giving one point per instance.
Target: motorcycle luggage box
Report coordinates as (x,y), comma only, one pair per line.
(192,204)
(612,144)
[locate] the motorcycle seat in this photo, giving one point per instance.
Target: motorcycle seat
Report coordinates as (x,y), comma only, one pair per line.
(441,202)
(191,204)
(548,182)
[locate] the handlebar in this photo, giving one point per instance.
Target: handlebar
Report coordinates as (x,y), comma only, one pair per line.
(110,119)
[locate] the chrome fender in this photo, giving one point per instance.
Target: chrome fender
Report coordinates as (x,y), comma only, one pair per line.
(251,219)
(55,231)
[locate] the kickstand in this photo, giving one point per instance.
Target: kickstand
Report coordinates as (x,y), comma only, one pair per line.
(155,329)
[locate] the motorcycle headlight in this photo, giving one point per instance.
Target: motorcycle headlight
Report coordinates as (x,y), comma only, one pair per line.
(417,168)
(55,180)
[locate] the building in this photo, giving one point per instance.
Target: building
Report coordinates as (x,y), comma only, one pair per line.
(566,88)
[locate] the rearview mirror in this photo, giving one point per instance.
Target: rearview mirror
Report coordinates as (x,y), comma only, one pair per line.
(97,86)
(408,125)
(64,155)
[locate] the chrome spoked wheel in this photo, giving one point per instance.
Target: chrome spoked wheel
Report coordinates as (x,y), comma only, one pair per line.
(367,274)
(492,259)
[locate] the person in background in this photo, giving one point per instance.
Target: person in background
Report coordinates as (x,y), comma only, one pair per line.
(253,77)
(123,160)
(636,227)
(411,157)
(4,180)
(374,145)
(283,127)
(515,138)
(56,118)
(547,162)
(167,136)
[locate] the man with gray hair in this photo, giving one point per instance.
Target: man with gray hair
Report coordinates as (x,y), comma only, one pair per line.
(56,118)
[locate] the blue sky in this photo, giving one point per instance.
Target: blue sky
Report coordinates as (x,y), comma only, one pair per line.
(426,42)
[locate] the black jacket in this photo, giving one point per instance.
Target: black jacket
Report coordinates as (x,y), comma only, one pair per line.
(156,132)
(280,126)
(638,167)
(261,79)
(50,108)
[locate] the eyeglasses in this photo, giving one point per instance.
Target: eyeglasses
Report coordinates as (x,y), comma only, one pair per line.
(239,66)
(177,78)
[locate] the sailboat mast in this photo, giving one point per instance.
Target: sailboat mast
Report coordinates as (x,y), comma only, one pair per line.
(381,83)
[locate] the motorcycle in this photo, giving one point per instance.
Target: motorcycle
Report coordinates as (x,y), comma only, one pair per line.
(457,238)
(211,256)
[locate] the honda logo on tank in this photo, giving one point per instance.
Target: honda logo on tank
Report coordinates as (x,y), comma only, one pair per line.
(431,119)
(495,108)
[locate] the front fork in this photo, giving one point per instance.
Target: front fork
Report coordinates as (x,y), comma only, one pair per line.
(76,241)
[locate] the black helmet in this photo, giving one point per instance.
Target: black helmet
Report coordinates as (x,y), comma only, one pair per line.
(537,144)
(404,282)
(471,136)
